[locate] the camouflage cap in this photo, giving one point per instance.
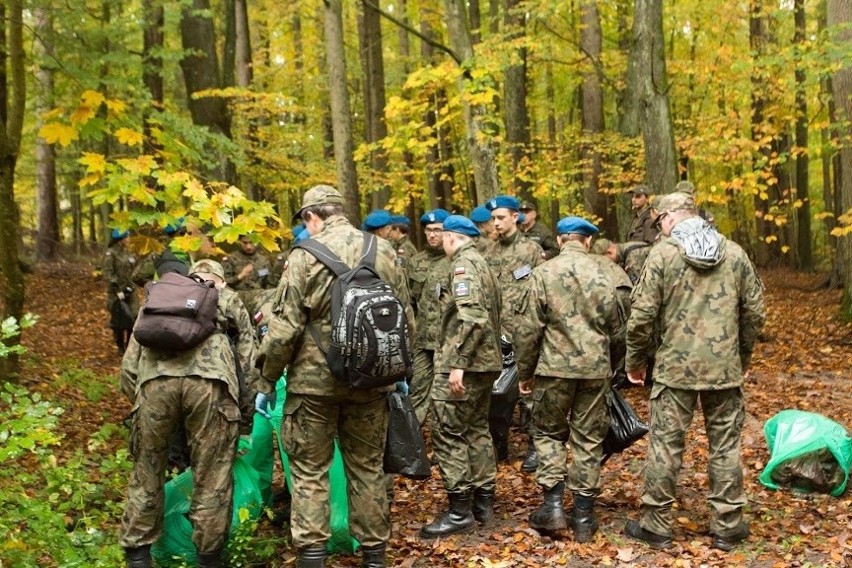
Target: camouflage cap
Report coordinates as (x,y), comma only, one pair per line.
(208,266)
(319,195)
(685,186)
(676,201)
(601,245)
(639,190)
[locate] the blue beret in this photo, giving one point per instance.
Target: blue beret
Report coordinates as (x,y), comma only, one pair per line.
(480,214)
(303,234)
(298,229)
(400,220)
(376,220)
(118,235)
(503,201)
(460,224)
(436,216)
(174,227)
(575,225)
(521,217)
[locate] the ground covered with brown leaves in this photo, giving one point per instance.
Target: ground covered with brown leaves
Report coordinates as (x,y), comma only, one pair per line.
(802,362)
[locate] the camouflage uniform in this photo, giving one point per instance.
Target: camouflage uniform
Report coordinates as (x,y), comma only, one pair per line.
(198,388)
(470,341)
(564,332)
(405,250)
(278,262)
(484,245)
(118,269)
(256,279)
(428,275)
(641,228)
(632,256)
(511,261)
(623,290)
(318,406)
(704,295)
(544,238)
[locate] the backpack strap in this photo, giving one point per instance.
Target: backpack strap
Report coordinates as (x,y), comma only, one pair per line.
(369,250)
(323,254)
(631,248)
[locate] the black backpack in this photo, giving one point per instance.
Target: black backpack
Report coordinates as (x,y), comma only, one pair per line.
(369,345)
(179,313)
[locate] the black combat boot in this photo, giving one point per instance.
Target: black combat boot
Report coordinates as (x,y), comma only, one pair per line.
(727,543)
(551,515)
(373,556)
(483,505)
(312,557)
(583,518)
(531,461)
(139,557)
(657,541)
(458,518)
(210,559)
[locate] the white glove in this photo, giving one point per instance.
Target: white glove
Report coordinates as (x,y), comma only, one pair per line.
(120,296)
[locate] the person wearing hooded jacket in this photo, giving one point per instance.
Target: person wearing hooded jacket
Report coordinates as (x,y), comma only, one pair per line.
(704,296)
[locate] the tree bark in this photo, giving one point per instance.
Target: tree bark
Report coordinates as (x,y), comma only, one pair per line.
(347,180)
(803,213)
(654,107)
(840,14)
(152,64)
(515,113)
(12,107)
(47,238)
(480,148)
(370,36)
(628,97)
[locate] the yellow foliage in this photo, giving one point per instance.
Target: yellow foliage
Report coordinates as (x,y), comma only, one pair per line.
(88,180)
(92,99)
(58,133)
(82,114)
(194,190)
(785,249)
(142,165)
(116,107)
(770,239)
(129,137)
(95,163)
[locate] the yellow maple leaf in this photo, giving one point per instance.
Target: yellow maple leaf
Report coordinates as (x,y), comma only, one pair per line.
(92,99)
(58,133)
(116,107)
(129,136)
(194,190)
(82,114)
(91,179)
(95,163)
(141,165)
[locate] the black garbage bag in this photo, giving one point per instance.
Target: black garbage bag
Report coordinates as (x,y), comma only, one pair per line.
(625,427)
(504,397)
(405,451)
(121,316)
(817,471)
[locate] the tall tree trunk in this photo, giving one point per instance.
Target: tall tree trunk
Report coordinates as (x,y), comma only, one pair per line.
(201,72)
(628,97)
(12,107)
(475,14)
(47,237)
(152,63)
(593,116)
(229,49)
(515,113)
(347,180)
(414,208)
(840,14)
(803,213)
(480,148)
(374,94)
(655,109)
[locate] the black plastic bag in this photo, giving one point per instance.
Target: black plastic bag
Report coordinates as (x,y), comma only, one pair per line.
(504,397)
(625,427)
(121,316)
(405,451)
(507,382)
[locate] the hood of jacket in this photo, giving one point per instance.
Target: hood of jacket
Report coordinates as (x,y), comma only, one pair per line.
(700,244)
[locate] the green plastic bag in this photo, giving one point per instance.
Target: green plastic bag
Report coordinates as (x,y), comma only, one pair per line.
(793,433)
(341,540)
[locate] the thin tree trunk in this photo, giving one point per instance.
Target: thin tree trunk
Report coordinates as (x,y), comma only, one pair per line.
(803,213)
(374,97)
(347,180)
(628,97)
(47,237)
(515,114)
(152,63)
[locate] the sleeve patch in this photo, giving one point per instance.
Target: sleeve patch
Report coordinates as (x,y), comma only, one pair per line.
(461,289)
(458,270)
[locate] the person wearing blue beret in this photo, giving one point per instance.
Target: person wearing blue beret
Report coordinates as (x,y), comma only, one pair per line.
(481,217)
(571,300)
(378,222)
(466,365)
(435,216)
(398,236)
(122,303)
(512,259)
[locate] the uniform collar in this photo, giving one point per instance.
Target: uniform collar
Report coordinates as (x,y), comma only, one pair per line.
(333,222)
(573,247)
(511,240)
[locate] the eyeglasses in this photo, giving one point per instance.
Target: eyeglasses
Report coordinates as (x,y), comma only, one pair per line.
(433,231)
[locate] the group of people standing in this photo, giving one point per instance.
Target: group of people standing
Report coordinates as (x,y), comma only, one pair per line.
(495,278)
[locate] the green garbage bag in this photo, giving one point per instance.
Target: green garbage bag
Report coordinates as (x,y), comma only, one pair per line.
(792,434)
(261,455)
(341,540)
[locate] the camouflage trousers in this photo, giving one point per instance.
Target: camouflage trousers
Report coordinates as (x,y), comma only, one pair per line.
(460,437)
(359,420)
(212,421)
(420,392)
(573,411)
(672,410)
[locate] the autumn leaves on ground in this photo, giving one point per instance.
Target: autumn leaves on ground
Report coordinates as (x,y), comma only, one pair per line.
(802,362)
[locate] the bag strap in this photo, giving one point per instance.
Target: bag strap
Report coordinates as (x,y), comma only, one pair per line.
(323,254)
(631,248)
(369,250)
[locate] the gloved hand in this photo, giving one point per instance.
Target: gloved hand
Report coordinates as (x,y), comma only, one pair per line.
(402,386)
(262,402)
(121,296)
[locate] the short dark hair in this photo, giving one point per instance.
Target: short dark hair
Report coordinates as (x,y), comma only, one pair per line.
(323,211)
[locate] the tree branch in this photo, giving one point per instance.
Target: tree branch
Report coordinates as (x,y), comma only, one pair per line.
(372,5)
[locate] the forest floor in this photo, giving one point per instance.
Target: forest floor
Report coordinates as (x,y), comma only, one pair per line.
(802,362)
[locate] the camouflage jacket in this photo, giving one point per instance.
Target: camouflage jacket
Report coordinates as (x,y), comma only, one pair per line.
(305,290)
(213,359)
(118,270)
(470,316)
(405,251)
(568,317)
(702,292)
(278,260)
(544,238)
(632,256)
(484,245)
(512,261)
(428,274)
(256,279)
(640,227)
